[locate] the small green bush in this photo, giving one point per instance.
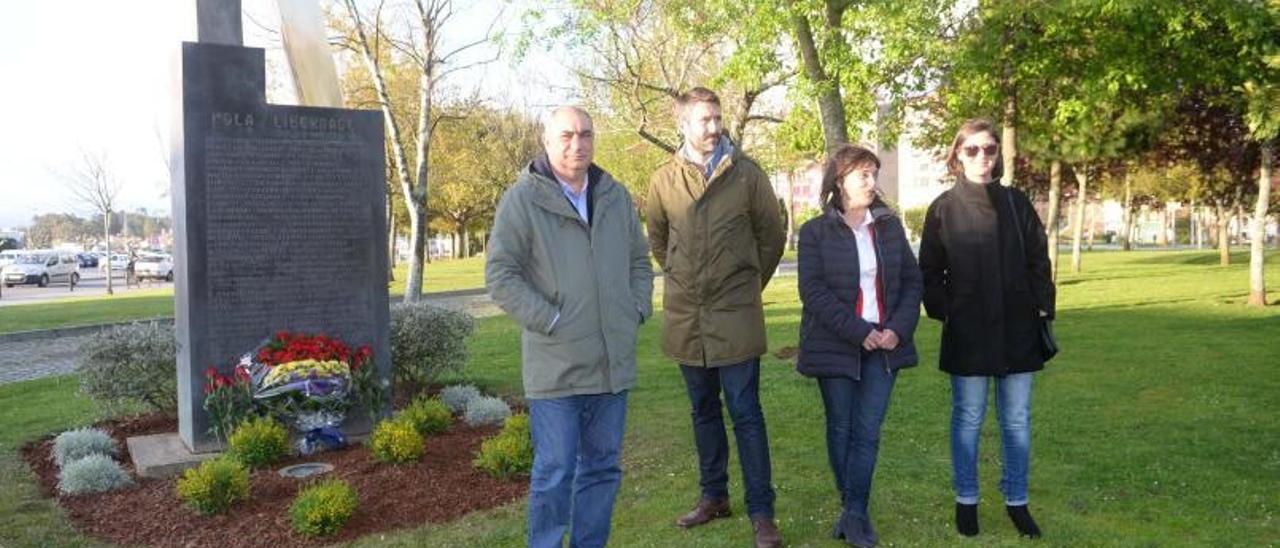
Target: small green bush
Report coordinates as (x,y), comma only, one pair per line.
(396,441)
(74,445)
(510,452)
(215,485)
(427,341)
(258,441)
(428,415)
(96,473)
(322,508)
(130,364)
(458,396)
(486,410)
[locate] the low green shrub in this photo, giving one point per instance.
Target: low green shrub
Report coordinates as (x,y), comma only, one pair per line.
(458,396)
(428,415)
(322,508)
(215,485)
(96,473)
(258,441)
(396,441)
(74,445)
(427,341)
(130,364)
(486,410)
(508,453)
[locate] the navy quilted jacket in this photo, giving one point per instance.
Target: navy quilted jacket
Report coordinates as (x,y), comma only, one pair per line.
(831,331)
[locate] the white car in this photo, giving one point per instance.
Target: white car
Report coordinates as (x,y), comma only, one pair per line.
(159,267)
(42,268)
(119,261)
(8,256)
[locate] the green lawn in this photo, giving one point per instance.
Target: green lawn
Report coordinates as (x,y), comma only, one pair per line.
(143,304)
(1155,426)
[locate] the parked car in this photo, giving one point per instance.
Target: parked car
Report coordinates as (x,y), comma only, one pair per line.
(119,261)
(87,260)
(159,267)
(42,268)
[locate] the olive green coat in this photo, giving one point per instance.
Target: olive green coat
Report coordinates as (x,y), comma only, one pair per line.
(718,241)
(579,290)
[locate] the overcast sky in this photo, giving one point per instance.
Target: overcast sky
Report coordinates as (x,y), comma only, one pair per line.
(94,76)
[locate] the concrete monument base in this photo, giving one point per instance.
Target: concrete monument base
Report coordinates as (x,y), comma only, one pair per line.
(163,455)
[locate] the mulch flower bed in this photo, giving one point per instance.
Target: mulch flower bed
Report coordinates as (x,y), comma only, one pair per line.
(441,487)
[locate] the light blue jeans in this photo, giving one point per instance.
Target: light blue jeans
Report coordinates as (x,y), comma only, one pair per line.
(1013,409)
(576,444)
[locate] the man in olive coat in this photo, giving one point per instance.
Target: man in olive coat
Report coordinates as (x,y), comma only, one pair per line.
(569,262)
(716,229)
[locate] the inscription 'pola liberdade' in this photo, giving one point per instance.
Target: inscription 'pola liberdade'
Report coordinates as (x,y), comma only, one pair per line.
(302,122)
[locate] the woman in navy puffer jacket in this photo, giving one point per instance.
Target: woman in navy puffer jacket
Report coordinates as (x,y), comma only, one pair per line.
(861,289)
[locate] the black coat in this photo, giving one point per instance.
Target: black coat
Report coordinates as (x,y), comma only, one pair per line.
(980,284)
(831,332)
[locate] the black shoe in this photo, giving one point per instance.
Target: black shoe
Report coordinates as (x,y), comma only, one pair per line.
(1022,519)
(967,519)
(856,530)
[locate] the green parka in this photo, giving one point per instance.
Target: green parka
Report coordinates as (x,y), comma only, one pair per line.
(718,240)
(545,260)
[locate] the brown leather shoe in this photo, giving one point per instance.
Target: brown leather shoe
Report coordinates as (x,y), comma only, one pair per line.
(767,535)
(705,511)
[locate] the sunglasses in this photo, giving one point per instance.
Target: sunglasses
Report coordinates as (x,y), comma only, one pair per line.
(972,150)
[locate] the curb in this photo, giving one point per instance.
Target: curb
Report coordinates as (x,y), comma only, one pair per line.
(58,332)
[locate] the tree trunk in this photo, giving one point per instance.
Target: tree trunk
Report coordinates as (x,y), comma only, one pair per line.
(466,242)
(106,236)
(830,103)
(1224,238)
(1193,223)
(1126,215)
(413,287)
(391,243)
(1077,231)
(1051,223)
(1162,219)
(1257,253)
(1009,139)
(1091,221)
(416,207)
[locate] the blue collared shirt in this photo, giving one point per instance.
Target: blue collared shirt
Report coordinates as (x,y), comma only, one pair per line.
(577,199)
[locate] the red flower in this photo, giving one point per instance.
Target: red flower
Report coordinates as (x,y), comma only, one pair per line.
(208,388)
(211,372)
(242,374)
(282,335)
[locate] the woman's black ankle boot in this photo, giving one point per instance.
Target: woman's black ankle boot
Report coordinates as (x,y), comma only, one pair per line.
(1022,519)
(967,519)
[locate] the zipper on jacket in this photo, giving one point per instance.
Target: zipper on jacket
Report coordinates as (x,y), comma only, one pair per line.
(883,302)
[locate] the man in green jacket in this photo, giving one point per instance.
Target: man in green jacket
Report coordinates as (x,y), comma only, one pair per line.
(716,229)
(568,261)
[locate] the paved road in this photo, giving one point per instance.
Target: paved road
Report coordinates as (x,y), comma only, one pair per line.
(92,282)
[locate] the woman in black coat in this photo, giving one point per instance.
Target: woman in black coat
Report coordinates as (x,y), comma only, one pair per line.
(860,288)
(987,278)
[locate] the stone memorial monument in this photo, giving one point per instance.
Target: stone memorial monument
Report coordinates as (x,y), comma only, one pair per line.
(280,223)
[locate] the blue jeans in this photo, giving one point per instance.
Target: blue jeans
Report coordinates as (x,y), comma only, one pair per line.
(576,443)
(741,386)
(855,410)
(968,408)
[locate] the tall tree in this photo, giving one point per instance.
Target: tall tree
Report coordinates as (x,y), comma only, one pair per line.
(92,182)
(421,46)
(480,149)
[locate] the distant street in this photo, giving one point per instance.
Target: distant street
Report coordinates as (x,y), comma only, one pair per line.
(92,283)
